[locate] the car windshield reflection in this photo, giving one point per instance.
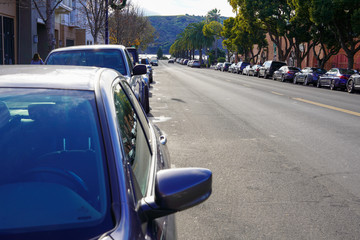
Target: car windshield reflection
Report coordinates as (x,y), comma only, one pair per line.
(60,169)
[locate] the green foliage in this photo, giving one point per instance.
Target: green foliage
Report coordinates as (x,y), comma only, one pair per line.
(342,18)
(159,53)
(221,59)
(212,29)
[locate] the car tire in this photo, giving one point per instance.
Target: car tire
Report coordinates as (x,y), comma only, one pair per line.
(332,85)
(306,81)
(318,83)
(350,86)
(282,78)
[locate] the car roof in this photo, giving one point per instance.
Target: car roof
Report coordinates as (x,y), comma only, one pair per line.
(87,47)
(50,76)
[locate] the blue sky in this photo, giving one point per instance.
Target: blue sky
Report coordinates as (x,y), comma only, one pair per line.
(181,7)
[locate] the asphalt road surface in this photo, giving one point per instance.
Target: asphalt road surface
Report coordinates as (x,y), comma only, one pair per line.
(285,158)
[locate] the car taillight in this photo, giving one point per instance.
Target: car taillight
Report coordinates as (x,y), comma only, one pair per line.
(343,77)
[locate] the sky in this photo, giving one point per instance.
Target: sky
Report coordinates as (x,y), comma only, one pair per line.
(182,7)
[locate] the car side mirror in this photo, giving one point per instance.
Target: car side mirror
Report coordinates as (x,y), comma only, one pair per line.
(176,190)
(139,69)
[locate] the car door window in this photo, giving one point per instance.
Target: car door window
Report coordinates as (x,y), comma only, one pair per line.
(133,136)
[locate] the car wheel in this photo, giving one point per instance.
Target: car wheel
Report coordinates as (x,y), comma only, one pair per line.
(282,78)
(318,84)
(306,81)
(350,86)
(332,85)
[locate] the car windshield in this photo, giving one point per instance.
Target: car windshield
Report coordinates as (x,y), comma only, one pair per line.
(346,71)
(109,58)
(51,156)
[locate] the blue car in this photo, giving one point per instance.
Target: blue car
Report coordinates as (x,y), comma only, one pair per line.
(80,160)
(335,78)
(309,75)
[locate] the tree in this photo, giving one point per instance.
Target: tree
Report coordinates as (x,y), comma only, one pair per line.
(48,19)
(190,39)
(342,17)
(273,17)
(95,12)
(227,34)
(129,27)
(213,30)
(213,15)
(160,53)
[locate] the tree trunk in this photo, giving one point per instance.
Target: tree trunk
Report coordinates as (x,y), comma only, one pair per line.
(49,24)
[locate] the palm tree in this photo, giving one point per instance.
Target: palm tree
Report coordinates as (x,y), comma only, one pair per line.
(213,15)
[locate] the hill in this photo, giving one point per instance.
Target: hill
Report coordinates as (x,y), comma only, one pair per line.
(167,28)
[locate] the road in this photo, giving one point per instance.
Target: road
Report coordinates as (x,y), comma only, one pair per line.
(285,158)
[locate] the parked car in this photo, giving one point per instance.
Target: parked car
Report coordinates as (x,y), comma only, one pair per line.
(80,159)
(171,60)
(309,75)
(154,61)
(146,62)
(285,73)
(335,78)
(110,56)
(240,66)
(185,61)
(225,66)
(269,67)
(218,66)
(245,71)
(133,54)
(232,68)
(254,70)
(353,84)
(195,63)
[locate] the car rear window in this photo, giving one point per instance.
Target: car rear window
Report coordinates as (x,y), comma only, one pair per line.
(293,69)
(109,58)
(52,167)
(346,71)
(277,64)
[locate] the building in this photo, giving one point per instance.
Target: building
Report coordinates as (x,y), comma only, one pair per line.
(23,31)
(340,60)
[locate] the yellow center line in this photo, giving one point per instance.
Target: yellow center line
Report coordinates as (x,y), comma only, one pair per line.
(328,106)
(280,94)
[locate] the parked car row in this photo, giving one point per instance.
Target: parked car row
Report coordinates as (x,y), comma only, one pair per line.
(335,78)
(190,63)
(232,67)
